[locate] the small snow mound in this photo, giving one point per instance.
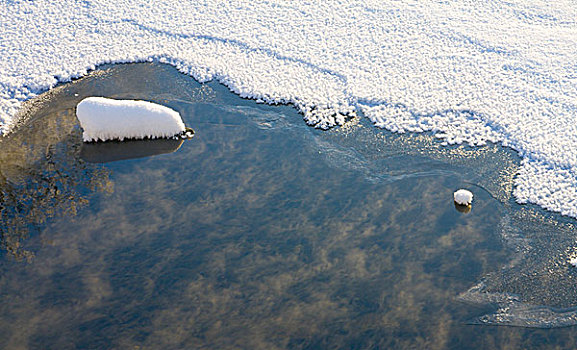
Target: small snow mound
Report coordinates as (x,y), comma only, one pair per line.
(105,119)
(463,197)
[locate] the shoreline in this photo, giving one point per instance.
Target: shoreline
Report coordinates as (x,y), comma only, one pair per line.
(428,70)
(29,107)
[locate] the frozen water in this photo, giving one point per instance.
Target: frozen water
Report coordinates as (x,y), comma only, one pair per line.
(469,72)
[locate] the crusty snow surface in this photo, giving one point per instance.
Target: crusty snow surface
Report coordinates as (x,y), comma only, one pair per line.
(470,71)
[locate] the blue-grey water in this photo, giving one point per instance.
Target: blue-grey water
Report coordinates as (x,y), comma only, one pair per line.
(264,233)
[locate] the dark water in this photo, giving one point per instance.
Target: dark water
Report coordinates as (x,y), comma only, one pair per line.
(263,233)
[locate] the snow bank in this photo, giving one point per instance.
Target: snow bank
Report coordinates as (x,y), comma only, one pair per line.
(105,119)
(469,71)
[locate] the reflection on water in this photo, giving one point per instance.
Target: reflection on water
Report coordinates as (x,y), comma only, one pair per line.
(110,151)
(41,177)
(463,208)
(262,233)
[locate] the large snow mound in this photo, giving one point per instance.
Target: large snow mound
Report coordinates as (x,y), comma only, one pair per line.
(470,71)
(105,119)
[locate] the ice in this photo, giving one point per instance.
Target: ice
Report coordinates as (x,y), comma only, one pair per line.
(469,72)
(105,119)
(512,312)
(536,288)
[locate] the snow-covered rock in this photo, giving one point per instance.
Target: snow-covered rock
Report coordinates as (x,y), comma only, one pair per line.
(105,119)
(463,197)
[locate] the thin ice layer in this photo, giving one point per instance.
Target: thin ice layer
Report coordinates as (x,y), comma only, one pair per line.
(468,71)
(105,119)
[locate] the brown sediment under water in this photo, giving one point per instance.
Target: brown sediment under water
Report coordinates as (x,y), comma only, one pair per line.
(264,233)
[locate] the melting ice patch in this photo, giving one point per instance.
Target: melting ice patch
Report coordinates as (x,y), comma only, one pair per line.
(512,312)
(468,71)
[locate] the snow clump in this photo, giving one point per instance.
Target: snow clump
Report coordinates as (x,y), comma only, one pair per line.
(463,197)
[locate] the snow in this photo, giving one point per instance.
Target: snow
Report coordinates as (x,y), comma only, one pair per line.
(573,261)
(463,197)
(468,71)
(105,119)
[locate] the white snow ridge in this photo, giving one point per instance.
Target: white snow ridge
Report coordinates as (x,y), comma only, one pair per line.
(469,71)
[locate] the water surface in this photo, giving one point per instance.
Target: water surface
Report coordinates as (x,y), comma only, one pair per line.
(263,233)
